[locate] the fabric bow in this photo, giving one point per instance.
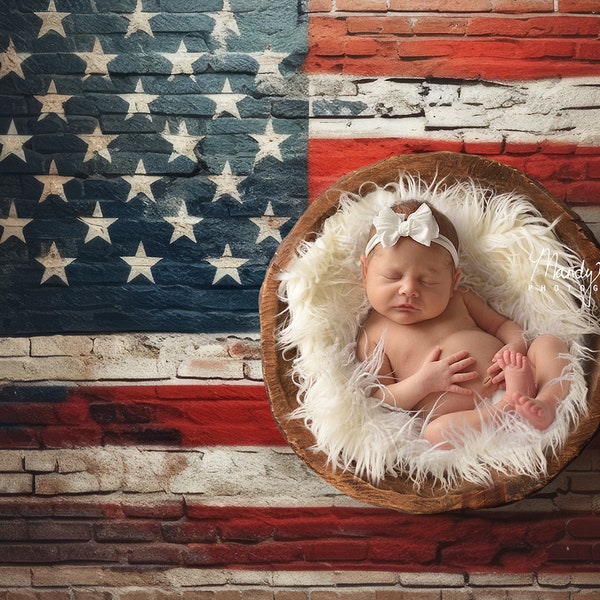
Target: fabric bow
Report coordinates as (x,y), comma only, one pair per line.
(421,226)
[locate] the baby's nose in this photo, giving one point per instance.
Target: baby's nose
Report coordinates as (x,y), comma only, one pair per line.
(409,287)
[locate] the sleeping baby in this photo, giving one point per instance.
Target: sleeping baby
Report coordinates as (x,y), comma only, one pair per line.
(441,349)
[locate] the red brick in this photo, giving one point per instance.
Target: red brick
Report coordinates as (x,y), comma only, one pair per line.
(588,50)
(470,554)
(190,532)
(127,531)
(441,5)
(482,147)
(401,551)
(585,192)
(584,527)
(28,553)
(320,5)
(552,26)
(336,550)
(367,24)
(232,554)
(155,554)
(86,552)
(361,5)
(440,25)
(523,6)
(593,168)
(52,530)
(579,6)
(163,511)
(570,551)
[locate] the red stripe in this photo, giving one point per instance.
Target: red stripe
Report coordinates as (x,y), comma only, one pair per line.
(569,172)
(173,415)
(464,47)
(184,532)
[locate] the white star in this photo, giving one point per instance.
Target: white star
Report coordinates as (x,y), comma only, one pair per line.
(51,21)
(269,143)
(53,103)
(97,144)
(183,143)
(96,61)
(139,21)
(268,61)
(12,226)
(141,264)
(227,184)
(10,61)
(225,23)
(269,225)
(97,225)
(54,184)
(183,224)
(227,265)
(12,143)
(140,183)
(183,60)
(226,101)
(54,264)
(139,102)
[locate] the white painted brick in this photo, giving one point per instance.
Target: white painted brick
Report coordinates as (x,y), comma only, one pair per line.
(500,579)
(15,576)
(54,484)
(40,461)
(11,461)
(16,483)
(432,579)
(333,578)
(211,369)
(61,345)
(13,347)
(453,117)
(253,370)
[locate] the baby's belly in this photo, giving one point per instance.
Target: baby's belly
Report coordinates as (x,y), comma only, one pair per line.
(482,347)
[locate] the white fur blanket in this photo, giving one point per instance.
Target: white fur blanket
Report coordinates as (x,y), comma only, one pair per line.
(509,255)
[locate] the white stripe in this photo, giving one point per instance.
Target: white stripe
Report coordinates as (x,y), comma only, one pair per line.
(563,111)
(271,476)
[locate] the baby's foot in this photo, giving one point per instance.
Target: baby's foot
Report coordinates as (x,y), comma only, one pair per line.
(538,413)
(518,374)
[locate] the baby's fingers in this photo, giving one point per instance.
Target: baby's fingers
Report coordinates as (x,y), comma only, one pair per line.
(459,365)
(467,376)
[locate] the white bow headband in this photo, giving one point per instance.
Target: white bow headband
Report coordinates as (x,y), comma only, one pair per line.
(421,226)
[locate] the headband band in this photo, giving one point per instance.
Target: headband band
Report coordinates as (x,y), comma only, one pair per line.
(421,226)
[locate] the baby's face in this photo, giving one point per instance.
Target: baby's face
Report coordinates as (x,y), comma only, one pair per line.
(409,282)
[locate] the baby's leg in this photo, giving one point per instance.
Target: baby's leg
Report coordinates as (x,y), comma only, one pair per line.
(444,432)
(539,409)
(533,389)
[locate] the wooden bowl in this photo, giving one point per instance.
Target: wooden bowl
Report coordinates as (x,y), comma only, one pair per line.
(395,492)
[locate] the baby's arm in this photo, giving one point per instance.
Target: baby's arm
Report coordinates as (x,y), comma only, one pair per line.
(434,375)
(494,323)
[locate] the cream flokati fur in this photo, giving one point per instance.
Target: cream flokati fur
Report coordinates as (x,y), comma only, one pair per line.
(509,255)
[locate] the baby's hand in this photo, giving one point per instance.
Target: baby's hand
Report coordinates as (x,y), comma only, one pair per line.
(445,375)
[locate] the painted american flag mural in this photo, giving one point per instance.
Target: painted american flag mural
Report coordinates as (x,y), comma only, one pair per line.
(151,159)
(152,156)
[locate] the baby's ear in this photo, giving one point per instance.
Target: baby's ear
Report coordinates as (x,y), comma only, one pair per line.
(363,266)
(456,278)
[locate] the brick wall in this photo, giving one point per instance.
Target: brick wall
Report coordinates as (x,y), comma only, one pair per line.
(147,465)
